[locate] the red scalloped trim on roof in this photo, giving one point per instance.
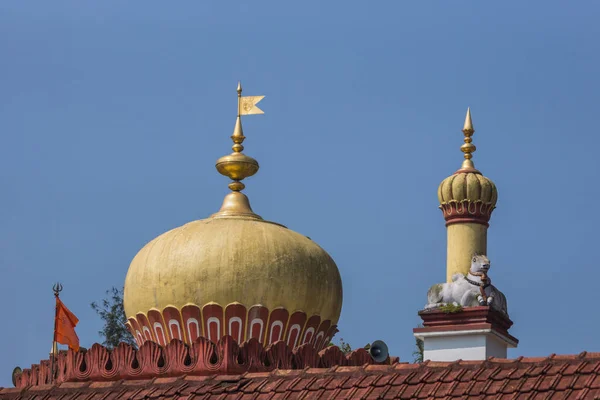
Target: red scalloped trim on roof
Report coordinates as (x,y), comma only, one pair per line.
(202,358)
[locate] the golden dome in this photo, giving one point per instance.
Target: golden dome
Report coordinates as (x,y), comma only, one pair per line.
(233,274)
(228,260)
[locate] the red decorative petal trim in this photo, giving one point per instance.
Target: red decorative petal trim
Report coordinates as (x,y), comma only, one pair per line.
(202,358)
(467,211)
(214,322)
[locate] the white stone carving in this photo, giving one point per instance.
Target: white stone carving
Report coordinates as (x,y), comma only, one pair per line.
(474,289)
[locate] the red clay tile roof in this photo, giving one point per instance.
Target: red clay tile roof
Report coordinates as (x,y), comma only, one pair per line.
(554,377)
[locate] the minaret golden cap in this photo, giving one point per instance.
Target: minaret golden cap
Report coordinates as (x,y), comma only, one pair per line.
(238,166)
(468,147)
(467,186)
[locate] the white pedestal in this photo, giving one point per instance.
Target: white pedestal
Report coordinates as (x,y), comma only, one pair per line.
(476,344)
(474,333)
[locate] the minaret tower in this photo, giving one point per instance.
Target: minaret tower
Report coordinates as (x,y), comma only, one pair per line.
(467,199)
(467,317)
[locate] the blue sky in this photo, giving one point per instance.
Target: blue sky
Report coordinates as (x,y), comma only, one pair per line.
(112,115)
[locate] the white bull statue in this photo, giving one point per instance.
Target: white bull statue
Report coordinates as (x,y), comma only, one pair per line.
(474,289)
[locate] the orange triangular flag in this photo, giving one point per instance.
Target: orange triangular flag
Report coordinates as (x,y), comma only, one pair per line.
(65,323)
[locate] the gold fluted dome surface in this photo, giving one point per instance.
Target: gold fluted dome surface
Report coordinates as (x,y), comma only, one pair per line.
(471,186)
(229,260)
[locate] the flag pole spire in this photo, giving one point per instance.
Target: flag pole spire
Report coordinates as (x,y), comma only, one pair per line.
(238,134)
(239,92)
(57,288)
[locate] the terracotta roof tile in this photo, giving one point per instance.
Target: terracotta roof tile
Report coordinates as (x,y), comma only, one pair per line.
(403,377)
(594,382)
(436,375)
(376,368)
(406,366)
(476,388)
(378,392)
(410,391)
(208,387)
(459,389)
(487,372)
(361,393)
(421,376)
(574,367)
(472,372)
(301,384)
(254,385)
(72,385)
(129,393)
(538,396)
(145,393)
(367,381)
(318,371)
(336,382)
(424,390)
(269,386)
(94,396)
(354,381)
(117,394)
(534,360)
(345,393)
(505,373)
(563,383)
(443,388)
(384,380)
(394,392)
(316,394)
(320,382)
(580,382)
(453,375)
(207,378)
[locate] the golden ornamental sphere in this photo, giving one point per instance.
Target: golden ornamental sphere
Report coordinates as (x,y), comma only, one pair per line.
(467,186)
(240,276)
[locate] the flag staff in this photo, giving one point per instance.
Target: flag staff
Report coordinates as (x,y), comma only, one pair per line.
(57,288)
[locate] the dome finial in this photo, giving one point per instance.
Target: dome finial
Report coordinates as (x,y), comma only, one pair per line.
(468,147)
(238,166)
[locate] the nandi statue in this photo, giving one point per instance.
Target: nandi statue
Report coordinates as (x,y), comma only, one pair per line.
(474,289)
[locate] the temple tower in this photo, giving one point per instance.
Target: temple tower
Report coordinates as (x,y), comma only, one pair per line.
(466,318)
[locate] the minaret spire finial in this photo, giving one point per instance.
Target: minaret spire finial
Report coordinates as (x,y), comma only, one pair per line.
(238,166)
(468,147)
